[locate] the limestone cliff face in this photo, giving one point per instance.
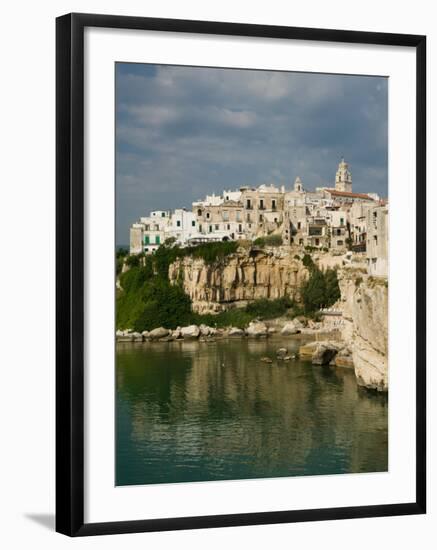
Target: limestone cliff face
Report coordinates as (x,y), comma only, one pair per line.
(364,301)
(241,277)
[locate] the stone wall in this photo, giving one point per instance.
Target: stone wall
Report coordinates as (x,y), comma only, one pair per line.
(241,277)
(364,302)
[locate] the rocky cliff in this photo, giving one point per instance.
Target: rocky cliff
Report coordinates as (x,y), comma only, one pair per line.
(364,301)
(240,277)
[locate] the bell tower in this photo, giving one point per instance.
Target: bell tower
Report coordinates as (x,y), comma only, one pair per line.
(343,177)
(298,186)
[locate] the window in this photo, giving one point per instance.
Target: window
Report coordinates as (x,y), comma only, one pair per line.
(248,217)
(227,197)
(157,239)
(240,228)
(200,228)
(238,215)
(199,212)
(225,215)
(317,242)
(147,227)
(273,204)
(162,214)
(216,227)
(299,225)
(228,227)
(341,221)
(339,243)
(193,223)
(248,204)
(260,217)
(275,220)
(375,238)
(178,223)
(210,228)
(146,239)
(261,204)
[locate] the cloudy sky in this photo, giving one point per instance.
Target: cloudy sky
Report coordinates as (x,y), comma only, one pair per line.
(183,132)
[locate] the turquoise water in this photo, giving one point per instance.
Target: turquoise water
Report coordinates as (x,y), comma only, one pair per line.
(193,411)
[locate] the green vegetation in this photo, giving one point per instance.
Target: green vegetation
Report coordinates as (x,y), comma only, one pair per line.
(148,300)
(240,317)
(269,240)
(320,290)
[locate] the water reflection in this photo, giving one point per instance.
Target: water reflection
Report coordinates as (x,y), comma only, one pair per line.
(191,411)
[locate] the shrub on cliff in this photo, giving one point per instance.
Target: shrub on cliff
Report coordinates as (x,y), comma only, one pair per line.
(268,240)
(268,309)
(213,252)
(148,301)
(164,305)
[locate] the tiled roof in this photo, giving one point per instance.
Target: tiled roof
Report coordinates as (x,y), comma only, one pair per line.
(346,194)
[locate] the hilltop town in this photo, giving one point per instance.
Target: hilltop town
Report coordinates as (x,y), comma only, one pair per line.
(330,218)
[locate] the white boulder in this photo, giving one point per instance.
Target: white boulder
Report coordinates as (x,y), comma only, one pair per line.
(159,332)
(192,331)
(289,328)
(256,329)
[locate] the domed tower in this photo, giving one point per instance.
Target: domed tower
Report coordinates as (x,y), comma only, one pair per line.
(343,177)
(298,186)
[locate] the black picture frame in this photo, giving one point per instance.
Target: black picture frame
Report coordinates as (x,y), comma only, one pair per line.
(70,273)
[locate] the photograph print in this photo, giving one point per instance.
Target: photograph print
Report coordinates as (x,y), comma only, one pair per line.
(251,274)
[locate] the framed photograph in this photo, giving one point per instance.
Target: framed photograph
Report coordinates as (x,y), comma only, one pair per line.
(240,274)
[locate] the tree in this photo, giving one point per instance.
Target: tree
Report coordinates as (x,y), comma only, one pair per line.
(314,291)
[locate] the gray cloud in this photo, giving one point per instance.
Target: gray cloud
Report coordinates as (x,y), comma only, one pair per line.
(182,132)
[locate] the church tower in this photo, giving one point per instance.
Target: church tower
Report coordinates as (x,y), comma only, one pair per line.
(343,177)
(298,186)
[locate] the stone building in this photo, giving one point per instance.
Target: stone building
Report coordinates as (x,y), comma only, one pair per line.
(377,240)
(329,217)
(147,234)
(358,225)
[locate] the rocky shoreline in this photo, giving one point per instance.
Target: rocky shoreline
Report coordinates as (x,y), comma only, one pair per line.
(323,351)
(255,329)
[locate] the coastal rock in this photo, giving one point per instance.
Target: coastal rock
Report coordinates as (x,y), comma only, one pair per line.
(298,323)
(281,352)
(235,332)
(364,305)
(204,330)
(266,360)
(137,337)
(191,331)
(243,276)
(145,334)
(306,351)
(323,353)
(256,329)
(157,333)
(176,334)
(125,338)
(289,328)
